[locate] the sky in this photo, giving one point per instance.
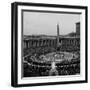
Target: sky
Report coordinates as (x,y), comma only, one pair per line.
(36,23)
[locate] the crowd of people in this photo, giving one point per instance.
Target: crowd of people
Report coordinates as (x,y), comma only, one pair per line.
(39,50)
(35,70)
(69,68)
(34,65)
(70,48)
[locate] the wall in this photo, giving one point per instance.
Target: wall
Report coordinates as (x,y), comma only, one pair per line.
(5,46)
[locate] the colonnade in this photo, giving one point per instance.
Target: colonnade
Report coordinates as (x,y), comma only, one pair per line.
(39,43)
(29,43)
(70,41)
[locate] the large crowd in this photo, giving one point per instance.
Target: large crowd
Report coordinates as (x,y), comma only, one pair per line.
(70,48)
(32,70)
(34,65)
(39,50)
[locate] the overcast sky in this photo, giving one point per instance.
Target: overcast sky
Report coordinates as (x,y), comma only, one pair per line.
(35,23)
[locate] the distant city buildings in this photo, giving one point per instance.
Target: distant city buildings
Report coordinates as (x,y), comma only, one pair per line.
(78,28)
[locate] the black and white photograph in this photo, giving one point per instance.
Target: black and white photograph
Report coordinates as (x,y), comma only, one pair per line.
(50,44)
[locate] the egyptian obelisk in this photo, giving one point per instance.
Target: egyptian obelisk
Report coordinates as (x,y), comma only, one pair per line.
(57,35)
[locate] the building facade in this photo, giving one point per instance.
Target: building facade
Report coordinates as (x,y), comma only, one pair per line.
(78,28)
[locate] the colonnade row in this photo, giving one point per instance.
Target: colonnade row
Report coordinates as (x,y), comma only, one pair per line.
(51,42)
(70,41)
(39,43)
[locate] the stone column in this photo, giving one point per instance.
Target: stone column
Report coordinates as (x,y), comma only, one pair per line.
(49,43)
(34,43)
(40,43)
(28,44)
(46,42)
(24,44)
